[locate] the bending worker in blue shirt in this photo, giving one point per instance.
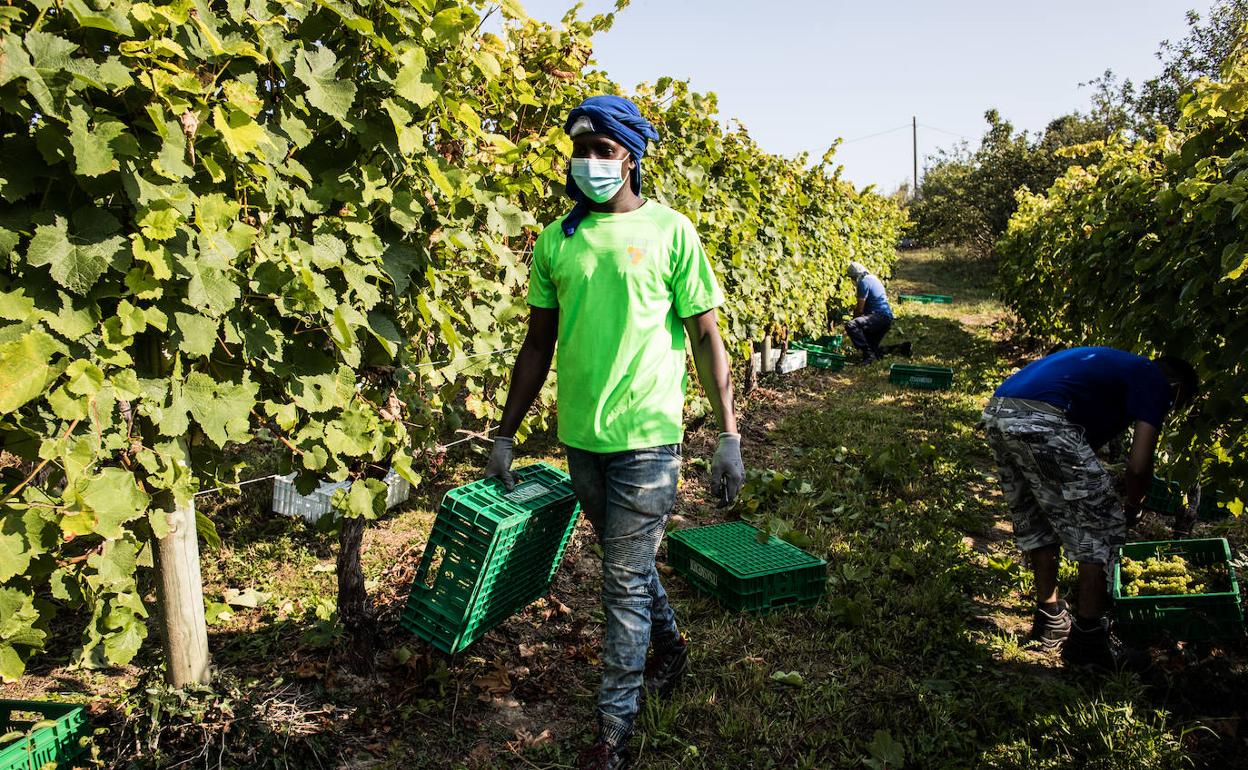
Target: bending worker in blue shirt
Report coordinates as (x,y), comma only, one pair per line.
(873,316)
(1044,425)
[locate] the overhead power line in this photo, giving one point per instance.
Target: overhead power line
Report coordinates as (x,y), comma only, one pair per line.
(878,133)
(950,133)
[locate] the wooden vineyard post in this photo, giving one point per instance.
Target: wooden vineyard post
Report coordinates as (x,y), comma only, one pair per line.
(751,371)
(180,591)
(179,585)
(766,355)
(353,606)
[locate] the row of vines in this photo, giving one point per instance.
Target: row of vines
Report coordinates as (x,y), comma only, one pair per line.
(250,220)
(1147,250)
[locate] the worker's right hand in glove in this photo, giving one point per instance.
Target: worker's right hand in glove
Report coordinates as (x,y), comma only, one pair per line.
(499,463)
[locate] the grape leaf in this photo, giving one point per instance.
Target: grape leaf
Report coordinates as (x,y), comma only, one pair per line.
(26,368)
(318,70)
(14,558)
(112,498)
(222,409)
(413,82)
(199,333)
(75,265)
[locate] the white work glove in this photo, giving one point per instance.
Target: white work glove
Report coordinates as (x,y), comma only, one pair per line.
(727,470)
(499,463)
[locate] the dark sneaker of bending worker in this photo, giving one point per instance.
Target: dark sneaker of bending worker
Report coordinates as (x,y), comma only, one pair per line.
(873,316)
(1044,425)
(617,286)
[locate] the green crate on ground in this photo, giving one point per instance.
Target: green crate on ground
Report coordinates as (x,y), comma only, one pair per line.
(1188,617)
(919,376)
(727,561)
(491,553)
(942,299)
(832,362)
(1211,507)
(1164,497)
(59,742)
(823,353)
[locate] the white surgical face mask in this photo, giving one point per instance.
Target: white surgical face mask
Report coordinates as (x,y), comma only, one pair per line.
(598,179)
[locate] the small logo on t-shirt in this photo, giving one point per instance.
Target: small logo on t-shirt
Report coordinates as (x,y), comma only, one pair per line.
(636,254)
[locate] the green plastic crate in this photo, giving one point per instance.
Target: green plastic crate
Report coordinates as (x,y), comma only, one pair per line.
(823,353)
(60,742)
(919,376)
(942,299)
(491,553)
(828,343)
(1210,507)
(1191,617)
(1164,497)
(832,362)
(727,561)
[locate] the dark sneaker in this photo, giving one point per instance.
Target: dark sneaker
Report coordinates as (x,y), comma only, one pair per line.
(604,756)
(1097,649)
(904,349)
(666,668)
(1050,629)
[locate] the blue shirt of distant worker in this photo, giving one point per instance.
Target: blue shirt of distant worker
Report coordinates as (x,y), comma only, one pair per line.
(873,316)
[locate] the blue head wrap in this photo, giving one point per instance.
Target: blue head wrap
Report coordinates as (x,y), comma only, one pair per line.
(619,119)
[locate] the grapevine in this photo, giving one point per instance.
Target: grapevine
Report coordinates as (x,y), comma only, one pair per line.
(232,222)
(1145,250)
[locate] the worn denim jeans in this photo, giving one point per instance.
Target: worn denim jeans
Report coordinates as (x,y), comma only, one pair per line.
(627,497)
(866,331)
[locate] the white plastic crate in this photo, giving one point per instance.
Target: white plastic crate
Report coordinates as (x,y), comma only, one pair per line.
(792,361)
(398,489)
(758,359)
(288,502)
(311,507)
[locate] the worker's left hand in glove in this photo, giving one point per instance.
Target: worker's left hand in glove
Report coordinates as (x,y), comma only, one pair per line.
(727,470)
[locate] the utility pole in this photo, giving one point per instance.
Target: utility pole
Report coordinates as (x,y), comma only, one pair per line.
(914,129)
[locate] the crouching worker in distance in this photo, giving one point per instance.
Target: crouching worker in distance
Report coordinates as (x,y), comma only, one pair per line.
(873,316)
(1044,425)
(616,287)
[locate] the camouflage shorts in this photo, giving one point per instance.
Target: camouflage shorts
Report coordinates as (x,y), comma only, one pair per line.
(1057,490)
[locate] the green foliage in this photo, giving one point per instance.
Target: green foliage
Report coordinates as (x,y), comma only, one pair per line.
(1145,251)
(966,197)
(1100,735)
(248,220)
(1201,53)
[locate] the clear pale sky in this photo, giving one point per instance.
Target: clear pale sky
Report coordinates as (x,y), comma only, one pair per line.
(799,73)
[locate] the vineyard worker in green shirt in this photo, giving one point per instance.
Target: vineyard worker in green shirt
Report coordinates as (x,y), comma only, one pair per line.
(618,285)
(1044,425)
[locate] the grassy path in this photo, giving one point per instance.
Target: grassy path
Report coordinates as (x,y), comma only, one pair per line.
(913,660)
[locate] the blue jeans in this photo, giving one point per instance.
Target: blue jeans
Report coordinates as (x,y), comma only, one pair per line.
(627,497)
(866,331)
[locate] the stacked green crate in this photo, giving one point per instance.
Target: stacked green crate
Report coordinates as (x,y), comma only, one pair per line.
(1180,617)
(491,553)
(940,299)
(52,734)
(1164,497)
(728,562)
(823,356)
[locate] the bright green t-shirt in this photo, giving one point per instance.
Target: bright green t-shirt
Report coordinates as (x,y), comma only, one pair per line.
(622,284)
